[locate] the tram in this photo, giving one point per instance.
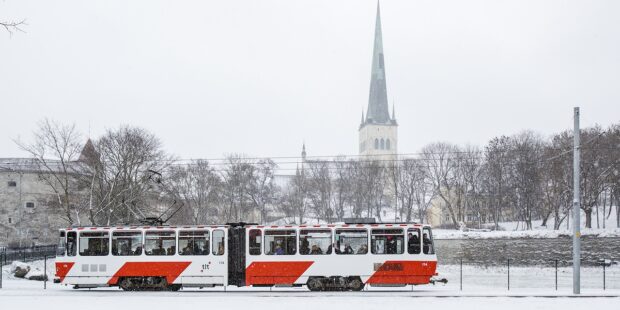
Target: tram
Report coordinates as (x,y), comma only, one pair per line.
(344,256)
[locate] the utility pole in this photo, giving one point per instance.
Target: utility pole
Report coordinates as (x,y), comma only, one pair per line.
(576,211)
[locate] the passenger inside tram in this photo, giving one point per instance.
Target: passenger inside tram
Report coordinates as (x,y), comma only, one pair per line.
(316,250)
(348,249)
(363,249)
(304,246)
(413,245)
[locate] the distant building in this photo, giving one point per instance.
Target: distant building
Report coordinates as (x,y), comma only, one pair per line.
(378,131)
(28,212)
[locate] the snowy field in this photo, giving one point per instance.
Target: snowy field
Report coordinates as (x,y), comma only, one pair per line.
(482,289)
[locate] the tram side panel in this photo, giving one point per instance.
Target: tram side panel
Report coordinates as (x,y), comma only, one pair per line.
(80,263)
(265,266)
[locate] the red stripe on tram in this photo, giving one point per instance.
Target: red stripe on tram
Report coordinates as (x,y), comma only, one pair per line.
(275,272)
(404,272)
(62,269)
(170,270)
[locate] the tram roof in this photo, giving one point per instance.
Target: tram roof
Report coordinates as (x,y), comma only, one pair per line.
(336,225)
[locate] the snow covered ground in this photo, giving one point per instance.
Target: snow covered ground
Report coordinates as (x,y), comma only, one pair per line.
(483,288)
(516,230)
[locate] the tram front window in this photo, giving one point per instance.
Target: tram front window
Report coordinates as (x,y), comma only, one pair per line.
(351,241)
(94,243)
(387,241)
(315,241)
(160,243)
(194,242)
(71,243)
(427,241)
(62,244)
(280,242)
(126,243)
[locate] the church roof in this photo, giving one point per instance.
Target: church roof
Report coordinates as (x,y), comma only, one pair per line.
(378,111)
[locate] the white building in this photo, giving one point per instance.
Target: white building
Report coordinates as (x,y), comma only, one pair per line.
(378,132)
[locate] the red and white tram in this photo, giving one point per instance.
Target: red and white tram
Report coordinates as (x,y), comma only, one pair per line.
(323,257)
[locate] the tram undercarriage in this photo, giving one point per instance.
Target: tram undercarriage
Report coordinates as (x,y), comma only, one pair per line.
(335,283)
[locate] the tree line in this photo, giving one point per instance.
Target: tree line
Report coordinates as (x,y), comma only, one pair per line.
(125,175)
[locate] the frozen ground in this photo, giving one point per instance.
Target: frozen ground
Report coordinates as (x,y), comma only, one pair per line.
(516,230)
(482,289)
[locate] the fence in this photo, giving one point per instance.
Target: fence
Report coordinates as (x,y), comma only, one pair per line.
(26,254)
(511,274)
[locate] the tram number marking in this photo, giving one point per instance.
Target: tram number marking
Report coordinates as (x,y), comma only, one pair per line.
(388,267)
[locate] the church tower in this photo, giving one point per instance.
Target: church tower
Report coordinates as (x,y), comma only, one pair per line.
(378,135)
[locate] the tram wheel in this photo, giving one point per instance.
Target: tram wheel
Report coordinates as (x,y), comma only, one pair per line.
(315,284)
(174,287)
(125,284)
(356,284)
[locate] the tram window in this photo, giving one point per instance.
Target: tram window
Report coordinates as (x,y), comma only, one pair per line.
(280,242)
(351,241)
(315,241)
(194,242)
(255,240)
(387,241)
(94,243)
(427,241)
(160,243)
(62,244)
(413,241)
(71,243)
(126,243)
(218,242)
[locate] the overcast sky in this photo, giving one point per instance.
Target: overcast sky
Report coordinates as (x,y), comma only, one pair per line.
(261,77)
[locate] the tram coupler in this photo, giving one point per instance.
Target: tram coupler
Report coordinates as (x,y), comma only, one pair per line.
(438,280)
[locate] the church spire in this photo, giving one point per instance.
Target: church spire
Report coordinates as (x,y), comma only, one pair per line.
(378,111)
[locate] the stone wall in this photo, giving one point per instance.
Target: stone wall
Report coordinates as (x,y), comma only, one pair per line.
(28,210)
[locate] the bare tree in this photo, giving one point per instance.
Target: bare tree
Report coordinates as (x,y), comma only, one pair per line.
(471,168)
(12,26)
(320,189)
(294,200)
(121,176)
(196,186)
(56,149)
(526,180)
(497,159)
(237,181)
(263,190)
(442,166)
(343,185)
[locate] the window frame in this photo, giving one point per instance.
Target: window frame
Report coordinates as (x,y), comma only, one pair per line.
(419,251)
(105,236)
(258,237)
(74,244)
(213,242)
(155,232)
(373,245)
(432,242)
(353,229)
(133,232)
(62,243)
(268,232)
(329,249)
(193,253)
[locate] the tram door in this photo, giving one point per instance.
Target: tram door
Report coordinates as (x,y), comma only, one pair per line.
(236,255)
